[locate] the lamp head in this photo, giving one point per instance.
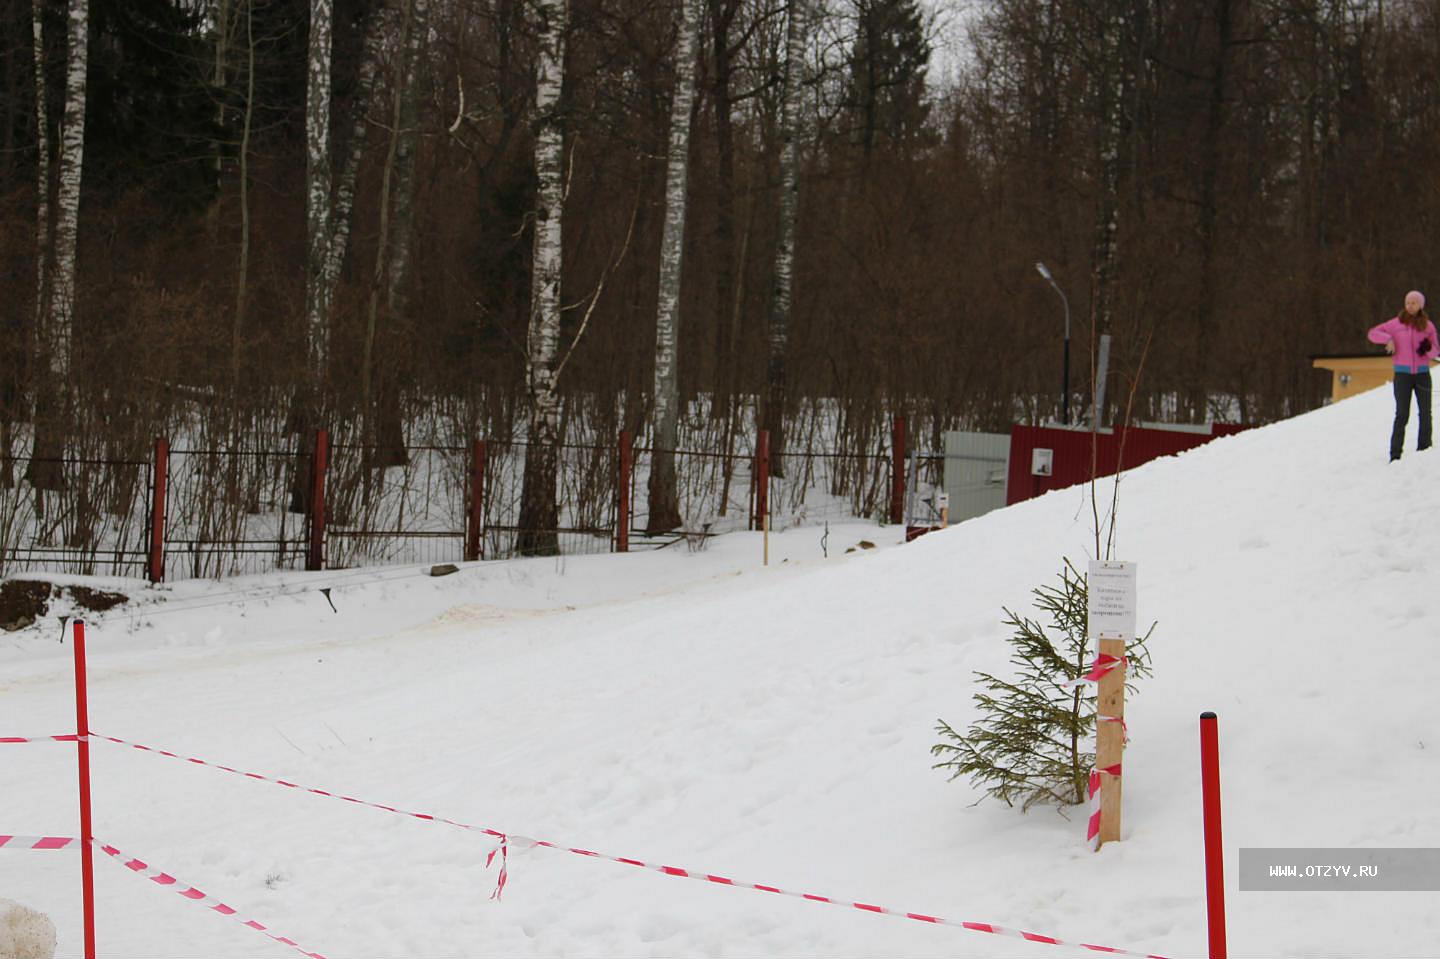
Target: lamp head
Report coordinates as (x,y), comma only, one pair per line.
(1040,268)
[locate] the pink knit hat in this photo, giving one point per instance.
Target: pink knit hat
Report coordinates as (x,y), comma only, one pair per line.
(1417,294)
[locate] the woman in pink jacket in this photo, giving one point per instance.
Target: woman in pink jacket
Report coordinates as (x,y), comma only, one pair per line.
(1411,338)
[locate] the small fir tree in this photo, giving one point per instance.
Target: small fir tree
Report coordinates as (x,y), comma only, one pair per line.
(1029,744)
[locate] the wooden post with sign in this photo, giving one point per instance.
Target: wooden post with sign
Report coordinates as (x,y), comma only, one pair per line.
(1110,740)
(1111,614)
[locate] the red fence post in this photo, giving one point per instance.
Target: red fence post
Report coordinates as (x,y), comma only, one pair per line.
(315,559)
(155,566)
(622,505)
(475,524)
(82,730)
(897,472)
(762,478)
(1214,849)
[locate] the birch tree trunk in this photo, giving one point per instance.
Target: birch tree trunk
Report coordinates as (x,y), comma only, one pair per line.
(773,416)
(538,512)
(312,394)
(338,245)
(221,11)
(318,284)
(67,199)
(57,328)
(42,191)
(664,506)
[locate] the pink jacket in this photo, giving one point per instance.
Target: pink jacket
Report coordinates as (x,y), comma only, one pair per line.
(1408,355)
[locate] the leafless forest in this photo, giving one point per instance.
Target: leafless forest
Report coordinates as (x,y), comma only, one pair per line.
(420,222)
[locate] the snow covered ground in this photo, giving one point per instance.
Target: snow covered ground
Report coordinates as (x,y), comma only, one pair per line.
(770,724)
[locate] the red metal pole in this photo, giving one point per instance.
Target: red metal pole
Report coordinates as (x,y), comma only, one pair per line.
(762,478)
(622,507)
(318,464)
(87,854)
(155,568)
(897,472)
(476,523)
(1214,849)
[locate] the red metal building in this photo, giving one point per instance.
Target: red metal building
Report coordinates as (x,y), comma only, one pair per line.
(1070,456)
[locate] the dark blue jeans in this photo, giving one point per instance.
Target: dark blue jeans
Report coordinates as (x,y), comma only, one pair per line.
(1405,384)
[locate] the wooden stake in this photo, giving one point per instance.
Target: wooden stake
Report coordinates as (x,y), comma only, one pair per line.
(1110,740)
(765,521)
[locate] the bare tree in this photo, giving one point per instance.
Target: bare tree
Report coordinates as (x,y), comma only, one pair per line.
(56,327)
(379,23)
(539,515)
(1118,24)
(67,197)
(1209,214)
(664,509)
(242,280)
(318,282)
(773,409)
(221,13)
(42,191)
(722,70)
(392,258)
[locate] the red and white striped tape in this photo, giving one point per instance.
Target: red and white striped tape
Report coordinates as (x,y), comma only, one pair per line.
(38,842)
(1092,822)
(506,840)
(309,789)
(985,927)
(196,896)
(1092,828)
(1103,665)
(39,739)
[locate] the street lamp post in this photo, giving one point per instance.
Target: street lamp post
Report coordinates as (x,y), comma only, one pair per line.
(1065,372)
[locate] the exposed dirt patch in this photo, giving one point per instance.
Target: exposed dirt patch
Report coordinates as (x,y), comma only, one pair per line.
(24,601)
(95,600)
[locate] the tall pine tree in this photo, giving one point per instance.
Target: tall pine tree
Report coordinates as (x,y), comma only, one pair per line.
(886,98)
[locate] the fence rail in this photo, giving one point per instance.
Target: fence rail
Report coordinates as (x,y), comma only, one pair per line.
(209,510)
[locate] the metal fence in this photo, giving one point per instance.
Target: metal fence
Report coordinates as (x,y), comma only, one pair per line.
(198,511)
(227,512)
(80,514)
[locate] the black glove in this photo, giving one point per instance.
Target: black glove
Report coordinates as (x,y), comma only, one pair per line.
(1425,346)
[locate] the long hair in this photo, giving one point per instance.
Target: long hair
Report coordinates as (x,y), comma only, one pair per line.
(1416,322)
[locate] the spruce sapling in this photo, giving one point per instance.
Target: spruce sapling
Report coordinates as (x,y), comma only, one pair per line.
(1029,745)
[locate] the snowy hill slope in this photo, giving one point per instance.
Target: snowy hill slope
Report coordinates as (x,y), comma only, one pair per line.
(767,724)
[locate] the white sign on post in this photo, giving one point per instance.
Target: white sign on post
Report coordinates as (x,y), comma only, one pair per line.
(1112,600)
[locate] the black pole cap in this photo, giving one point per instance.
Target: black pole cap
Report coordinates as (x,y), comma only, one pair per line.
(1208,715)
